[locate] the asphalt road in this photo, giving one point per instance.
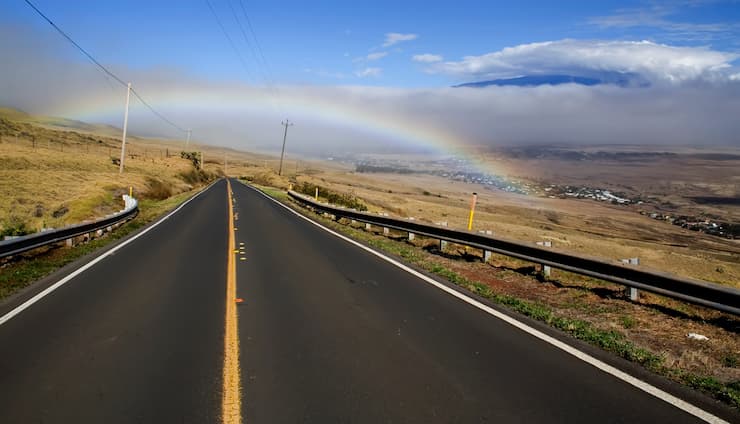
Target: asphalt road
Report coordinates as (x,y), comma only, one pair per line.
(328,334)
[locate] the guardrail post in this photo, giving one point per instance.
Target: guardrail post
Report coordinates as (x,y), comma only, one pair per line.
(632,292)
(546,270)
(411,236)
(486,256)
(386,231)
(442,243)
(368,227)
(70,242)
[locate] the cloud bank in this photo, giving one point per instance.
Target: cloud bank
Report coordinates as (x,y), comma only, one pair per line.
(658,63)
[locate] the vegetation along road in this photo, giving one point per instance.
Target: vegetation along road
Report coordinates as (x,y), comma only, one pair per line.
(239,310)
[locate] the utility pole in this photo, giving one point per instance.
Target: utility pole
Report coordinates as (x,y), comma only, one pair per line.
(187,141)
(125,126)
(286,124)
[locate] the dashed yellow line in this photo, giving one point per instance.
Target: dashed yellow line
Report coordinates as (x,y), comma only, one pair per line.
(231,401)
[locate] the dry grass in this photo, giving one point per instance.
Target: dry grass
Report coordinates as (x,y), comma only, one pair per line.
(51,177)
(581,226)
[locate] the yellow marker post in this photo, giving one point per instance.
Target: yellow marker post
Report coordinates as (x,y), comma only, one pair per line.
(317,194)
(472,211)
(130,191)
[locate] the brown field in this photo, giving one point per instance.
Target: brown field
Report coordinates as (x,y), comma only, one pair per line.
(593,228)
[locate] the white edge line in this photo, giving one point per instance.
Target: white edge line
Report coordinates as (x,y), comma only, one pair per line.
(27,304)
(603,366)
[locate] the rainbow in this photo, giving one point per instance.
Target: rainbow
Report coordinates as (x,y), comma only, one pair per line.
(104,106)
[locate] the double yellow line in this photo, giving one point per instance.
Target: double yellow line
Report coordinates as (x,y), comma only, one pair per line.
(231,401)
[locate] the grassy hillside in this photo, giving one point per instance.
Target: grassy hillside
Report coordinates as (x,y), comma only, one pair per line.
(51,177)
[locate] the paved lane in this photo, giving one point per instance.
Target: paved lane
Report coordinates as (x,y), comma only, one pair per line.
(331,333)
(136,338)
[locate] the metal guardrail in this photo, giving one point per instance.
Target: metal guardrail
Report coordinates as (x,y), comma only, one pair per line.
(722,298)
(32,241)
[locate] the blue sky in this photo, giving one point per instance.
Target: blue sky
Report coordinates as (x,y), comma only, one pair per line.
(328,43)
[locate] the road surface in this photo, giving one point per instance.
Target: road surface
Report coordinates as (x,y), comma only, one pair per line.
(327,333)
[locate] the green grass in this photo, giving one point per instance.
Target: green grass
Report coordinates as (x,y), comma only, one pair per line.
(18,275)
(609,340)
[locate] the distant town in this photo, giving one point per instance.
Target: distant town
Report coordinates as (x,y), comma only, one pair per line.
(457,169)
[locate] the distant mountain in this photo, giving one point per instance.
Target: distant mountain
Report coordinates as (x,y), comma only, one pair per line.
(621,80)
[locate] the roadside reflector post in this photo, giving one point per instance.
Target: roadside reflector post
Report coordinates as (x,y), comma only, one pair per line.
(632,292)
(316,196)
(546,271)
(472,211)
(486,256)
(442,243)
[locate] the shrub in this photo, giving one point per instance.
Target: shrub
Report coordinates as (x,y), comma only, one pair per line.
(14,227)
(157,189)
(331,196)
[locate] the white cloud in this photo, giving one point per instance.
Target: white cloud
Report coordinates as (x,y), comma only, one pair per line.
(392,38)
(376,56)
(369,72)
(427,58)
(656,62)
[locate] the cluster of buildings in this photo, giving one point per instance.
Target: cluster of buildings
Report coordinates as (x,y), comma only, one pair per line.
(598,194)
(704,225)
(490,181)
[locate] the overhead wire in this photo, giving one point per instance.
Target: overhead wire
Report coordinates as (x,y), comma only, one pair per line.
(270,75)
(64,34)
(228,37)
(105,70)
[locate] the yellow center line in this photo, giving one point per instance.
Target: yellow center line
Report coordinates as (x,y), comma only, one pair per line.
(231,401)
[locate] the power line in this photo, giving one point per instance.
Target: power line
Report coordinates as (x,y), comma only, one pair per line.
(103,68)
(244,33)
(162,117)
(228,37)
(266,64)
(256,41)
(64,34)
